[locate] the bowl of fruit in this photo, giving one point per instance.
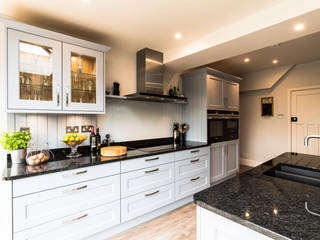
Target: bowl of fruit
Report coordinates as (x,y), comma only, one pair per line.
(73,140)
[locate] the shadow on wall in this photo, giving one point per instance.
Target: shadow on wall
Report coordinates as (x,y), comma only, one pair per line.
(36,18)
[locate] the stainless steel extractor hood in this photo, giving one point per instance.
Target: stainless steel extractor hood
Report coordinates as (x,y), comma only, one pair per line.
(150,72)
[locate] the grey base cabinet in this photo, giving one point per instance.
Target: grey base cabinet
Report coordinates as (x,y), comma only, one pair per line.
(224,160)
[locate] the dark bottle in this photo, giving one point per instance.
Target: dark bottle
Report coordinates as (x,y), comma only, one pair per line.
(171,93)
(93,141)
(175,133)
(98,140)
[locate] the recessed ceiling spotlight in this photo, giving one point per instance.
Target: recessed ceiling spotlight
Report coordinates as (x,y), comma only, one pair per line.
(177,36)
(299,27)
(246,60)
(275,61)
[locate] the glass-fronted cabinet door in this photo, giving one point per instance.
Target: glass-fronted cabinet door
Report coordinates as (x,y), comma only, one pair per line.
(83,79)
(34,73)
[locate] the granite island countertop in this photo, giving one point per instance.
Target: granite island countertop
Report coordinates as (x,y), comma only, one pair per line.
(272,206)
(62,163)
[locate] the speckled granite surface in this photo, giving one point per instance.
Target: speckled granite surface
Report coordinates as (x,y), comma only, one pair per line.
(62,163)
(269,205)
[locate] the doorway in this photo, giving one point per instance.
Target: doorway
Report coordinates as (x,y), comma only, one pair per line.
(305,119)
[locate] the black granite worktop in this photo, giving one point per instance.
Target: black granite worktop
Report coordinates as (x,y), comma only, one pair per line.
(62,163)
(269,205)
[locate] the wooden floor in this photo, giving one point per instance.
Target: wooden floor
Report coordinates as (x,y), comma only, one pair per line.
(179,224)
(244,168)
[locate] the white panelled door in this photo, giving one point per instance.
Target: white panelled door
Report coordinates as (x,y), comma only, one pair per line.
(305,106)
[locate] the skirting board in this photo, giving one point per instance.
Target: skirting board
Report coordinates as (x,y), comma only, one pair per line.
(248,162)
(137,221)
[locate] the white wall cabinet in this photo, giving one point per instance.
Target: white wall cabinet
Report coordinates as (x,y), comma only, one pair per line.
(49,72)
(231,95)
(215,97)
(34,72)
(222,94)
(224,160)
(83,79)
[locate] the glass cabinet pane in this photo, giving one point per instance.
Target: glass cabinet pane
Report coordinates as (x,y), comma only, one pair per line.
(83,78)
(35,71)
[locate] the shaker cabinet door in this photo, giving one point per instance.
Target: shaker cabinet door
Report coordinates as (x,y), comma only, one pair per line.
(231,95)
(34,73)
(232,157)
(217,162)
(214,93)
(83,79)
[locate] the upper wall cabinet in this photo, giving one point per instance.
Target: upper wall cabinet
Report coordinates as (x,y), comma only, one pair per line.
(50,72)
(215,85)
(34,72)
(222,94)
(82,79)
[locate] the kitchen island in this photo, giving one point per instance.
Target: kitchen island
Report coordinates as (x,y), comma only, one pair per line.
(261,207)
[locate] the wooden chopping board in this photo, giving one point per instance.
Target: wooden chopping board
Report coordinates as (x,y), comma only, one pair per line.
(113,151)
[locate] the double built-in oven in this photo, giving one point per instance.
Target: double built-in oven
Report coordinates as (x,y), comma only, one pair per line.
(222,126)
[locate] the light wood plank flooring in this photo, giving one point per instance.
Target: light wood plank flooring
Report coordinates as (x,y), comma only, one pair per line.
(179,224)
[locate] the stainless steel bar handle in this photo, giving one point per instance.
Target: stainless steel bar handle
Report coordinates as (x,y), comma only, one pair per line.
(151,159)
(195,151)
(195,160)
(150,194)
(154,170)
(76,189)
(76,219)
(58,96)
(194,179)
(67,97)
(75,174)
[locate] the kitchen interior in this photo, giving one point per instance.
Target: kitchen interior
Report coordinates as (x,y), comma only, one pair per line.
(116,132)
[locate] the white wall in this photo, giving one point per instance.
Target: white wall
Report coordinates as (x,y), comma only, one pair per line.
(263,138)
(128,120)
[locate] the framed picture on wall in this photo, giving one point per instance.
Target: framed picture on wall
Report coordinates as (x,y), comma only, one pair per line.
(267,106)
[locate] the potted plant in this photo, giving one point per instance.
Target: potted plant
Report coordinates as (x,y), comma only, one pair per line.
(16,143)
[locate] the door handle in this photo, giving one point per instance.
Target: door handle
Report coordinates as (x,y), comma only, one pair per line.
(195,160)
(75,174)
(150,194)
(151,159)
(67,97)
(154,170)
(76,189)
(76,219)
(58,96)
(194,179)
(195,151)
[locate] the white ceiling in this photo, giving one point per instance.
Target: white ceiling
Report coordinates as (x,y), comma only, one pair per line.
(135,24)
(297,51)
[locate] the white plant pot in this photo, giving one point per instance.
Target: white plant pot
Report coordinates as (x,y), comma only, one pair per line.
(18,156)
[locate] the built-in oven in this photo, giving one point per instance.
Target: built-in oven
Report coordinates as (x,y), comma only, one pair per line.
(222,126)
